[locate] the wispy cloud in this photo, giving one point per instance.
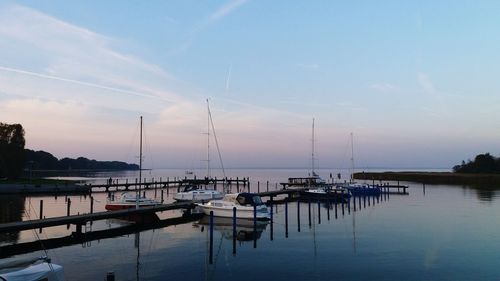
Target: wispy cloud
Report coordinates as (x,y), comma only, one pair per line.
(311,66)
(226,9)
(383,87)
(211,19)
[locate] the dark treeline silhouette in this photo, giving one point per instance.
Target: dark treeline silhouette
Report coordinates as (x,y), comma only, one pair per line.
(483,163)
(11,150)
(41,160)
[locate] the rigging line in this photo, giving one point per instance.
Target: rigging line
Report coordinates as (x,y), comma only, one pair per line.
(38,237)
(216,142)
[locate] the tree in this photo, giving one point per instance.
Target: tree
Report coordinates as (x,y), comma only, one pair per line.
(483,163)
(11,150)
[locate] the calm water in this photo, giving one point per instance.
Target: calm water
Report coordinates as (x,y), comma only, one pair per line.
(440,233)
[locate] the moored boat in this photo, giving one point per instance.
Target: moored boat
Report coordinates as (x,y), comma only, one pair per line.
(31,270)
(195,194)
(360,189)
(244,204)
(129,200)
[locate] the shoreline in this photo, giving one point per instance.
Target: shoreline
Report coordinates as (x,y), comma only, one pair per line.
(431,177)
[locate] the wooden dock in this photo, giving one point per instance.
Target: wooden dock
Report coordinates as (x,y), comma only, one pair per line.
(117,185)
(80,220)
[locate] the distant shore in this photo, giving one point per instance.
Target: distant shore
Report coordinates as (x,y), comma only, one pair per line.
(432,177)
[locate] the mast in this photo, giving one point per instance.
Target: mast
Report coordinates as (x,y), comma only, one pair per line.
(312,150)
(208,140)
(140,168)
(352,158)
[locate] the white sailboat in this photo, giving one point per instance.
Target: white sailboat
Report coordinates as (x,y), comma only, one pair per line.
(357,189)
(194,193)
(129,200)
(35,269)
(314,179)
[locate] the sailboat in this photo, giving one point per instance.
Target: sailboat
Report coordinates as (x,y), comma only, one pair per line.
(359,189)
(314,180)
(33,269)
(320,189)
(128,200)
(193,192)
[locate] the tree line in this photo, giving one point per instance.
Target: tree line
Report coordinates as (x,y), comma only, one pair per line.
(482,163)
(14,158)
(41,160)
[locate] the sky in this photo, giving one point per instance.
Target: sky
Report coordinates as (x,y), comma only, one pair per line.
(416,82)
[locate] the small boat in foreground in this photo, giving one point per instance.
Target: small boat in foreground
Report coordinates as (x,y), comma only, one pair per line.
(244,204)
(31,270)
(129,200)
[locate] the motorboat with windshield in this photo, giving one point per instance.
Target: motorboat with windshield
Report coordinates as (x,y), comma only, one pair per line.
(244,204)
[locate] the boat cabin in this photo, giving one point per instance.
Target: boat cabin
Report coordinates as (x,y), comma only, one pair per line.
(244,199)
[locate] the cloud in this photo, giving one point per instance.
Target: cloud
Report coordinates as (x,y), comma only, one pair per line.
(383,87)
(226,9)
(212,18)
(311,66)
(426,84)
(34,44)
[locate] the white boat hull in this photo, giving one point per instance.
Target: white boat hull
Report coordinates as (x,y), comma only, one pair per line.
(242,212)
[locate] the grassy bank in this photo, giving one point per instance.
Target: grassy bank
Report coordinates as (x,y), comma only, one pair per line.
(433,177)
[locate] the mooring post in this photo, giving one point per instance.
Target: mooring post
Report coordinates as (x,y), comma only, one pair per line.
(248,185)
(110,276)
(286,218)
(255,226)
(91,204)
(41,209)
(336,210)
(319,212)
(78,228)
(234,230)
(267,186)
(298,216)
(354,203)
(238,184)
(343,203)
(162,195)
(328,204)
(272,222)
(309,211)
(211,226)
(258,186)
(68,207)
(349,205)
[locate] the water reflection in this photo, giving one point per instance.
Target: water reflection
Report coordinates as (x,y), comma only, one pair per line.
(11,210)
(244,228)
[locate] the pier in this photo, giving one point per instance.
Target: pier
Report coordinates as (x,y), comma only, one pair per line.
(116,185)
(80,220)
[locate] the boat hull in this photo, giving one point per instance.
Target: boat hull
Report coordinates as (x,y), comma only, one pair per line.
(122,206)
(241,212)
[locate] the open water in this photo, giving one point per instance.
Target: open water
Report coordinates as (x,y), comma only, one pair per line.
(438,232)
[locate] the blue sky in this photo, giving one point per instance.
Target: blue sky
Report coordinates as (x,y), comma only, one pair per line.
(416,82)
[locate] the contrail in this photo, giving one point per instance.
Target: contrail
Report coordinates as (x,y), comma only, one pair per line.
(78,82)
(228,76)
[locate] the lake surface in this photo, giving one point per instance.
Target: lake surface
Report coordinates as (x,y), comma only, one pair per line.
(435,233)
